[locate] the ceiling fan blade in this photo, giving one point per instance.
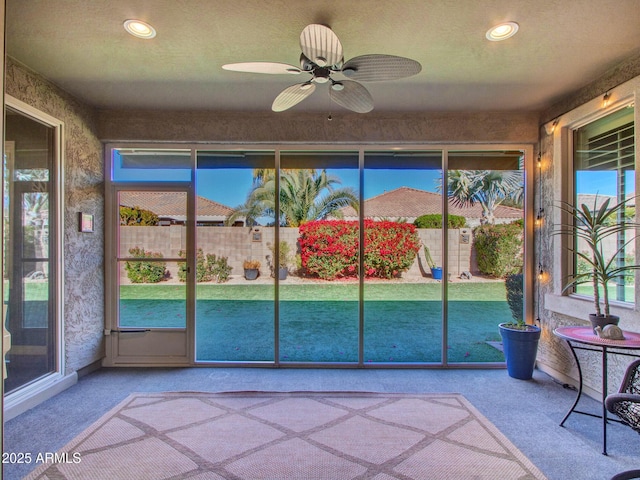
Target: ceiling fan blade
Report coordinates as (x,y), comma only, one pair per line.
(321,45)
(271,68)
(378,68)
(292,95)
(353,96)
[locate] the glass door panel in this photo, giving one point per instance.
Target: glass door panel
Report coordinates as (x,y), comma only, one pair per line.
(486,188)
(403,239)
(316,258)
(29,247)
(235,293)
(152,259)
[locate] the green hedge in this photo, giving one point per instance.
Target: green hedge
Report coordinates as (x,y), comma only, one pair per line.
(499,249)
(138,217)
(140,271)
(329,248)
(434,220)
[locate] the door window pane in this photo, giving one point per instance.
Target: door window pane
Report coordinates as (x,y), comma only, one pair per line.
(486,192)
(152,242)
(29,247)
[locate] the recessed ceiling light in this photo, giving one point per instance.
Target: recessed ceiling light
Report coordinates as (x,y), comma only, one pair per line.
(139,29)
(502,31)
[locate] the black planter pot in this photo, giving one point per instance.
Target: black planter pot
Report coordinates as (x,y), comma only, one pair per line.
(520,350)
(282,273)
(251,273)
(602,320)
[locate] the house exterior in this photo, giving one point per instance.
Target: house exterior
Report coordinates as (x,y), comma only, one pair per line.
(170,208)
(410,203)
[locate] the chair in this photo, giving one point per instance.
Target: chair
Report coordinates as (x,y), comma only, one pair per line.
(626,405)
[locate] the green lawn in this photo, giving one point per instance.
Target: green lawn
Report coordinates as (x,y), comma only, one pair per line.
(319,322)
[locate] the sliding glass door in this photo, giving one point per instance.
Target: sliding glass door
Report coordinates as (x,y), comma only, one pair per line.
(316,255)
(485,251)
(402,290)
(235,291)
(30,244)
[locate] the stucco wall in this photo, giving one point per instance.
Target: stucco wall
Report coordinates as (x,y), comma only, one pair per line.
(83,192)
(249,127)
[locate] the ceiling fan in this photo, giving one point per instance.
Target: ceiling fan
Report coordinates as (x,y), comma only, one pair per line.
(321,58)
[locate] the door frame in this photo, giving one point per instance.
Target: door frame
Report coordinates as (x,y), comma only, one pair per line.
(50,384)
(146,337)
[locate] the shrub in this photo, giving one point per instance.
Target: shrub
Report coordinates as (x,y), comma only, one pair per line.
(139,217)
(220,268)
(140,271)
(434,220)
(208,267)
(499,249)
(251,264)
(329,248)
(284,256)
(515,295)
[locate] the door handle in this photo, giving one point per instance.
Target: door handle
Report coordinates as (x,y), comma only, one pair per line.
(144,330)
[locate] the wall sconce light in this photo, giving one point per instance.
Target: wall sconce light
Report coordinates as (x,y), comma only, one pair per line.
(606,100)
(539,217)
(540,272)
(551,127)
(539,161)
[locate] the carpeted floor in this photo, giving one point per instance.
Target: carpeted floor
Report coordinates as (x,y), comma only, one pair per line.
(262,435)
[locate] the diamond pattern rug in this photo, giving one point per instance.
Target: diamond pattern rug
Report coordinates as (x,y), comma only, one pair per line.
(281,436)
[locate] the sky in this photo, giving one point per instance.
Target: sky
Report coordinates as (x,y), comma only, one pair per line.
(230,186)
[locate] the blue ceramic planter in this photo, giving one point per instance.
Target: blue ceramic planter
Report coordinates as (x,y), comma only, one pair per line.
(520,350)
(436,273)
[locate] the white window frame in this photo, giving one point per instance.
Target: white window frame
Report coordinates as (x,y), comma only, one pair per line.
(51,384)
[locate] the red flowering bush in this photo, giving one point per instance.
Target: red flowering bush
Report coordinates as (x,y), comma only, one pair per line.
(329,248)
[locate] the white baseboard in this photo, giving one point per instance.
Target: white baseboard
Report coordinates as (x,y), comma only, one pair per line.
(36,393)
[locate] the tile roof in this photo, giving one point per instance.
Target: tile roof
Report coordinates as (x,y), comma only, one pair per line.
(409,202)
(172,204)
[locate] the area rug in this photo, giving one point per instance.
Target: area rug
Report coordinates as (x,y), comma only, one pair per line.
(281,436)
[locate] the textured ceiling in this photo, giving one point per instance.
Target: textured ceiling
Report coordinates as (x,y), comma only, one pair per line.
(81,46)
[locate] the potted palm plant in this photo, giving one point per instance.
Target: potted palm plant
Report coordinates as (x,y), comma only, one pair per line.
(519,339)
(284,257)
(436,272)
(591,226)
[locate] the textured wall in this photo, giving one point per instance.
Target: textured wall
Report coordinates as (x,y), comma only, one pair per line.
(626,71)
(83,192)
(466,127)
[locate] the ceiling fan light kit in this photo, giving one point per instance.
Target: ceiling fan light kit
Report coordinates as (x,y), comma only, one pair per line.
(322,56)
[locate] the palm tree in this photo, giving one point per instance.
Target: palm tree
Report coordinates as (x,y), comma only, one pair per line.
(305,195)
(489,188)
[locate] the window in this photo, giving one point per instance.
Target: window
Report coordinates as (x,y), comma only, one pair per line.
(313,256)
(604,168)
